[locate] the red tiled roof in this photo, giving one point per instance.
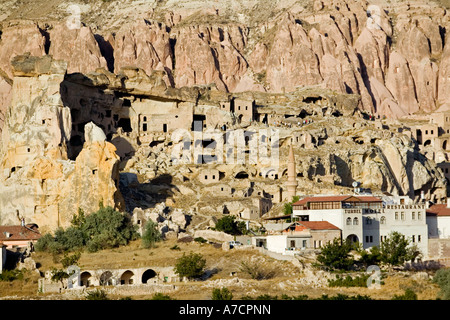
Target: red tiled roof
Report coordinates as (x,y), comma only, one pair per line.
(318,225)
(440,210)
(336,199)
(18,233)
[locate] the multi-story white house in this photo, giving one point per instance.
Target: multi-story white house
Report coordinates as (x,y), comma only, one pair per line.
(367,219)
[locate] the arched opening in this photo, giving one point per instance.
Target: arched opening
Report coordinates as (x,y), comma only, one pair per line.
(127,277)
(355,221)
(106,279)
(242,175)
(352,238)
(148,274)
(427,143)
(85,279)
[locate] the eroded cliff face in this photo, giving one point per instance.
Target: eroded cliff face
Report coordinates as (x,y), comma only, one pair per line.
(393,54)
(80,103)
(39,182)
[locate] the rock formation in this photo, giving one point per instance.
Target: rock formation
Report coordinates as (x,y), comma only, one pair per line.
(38,181)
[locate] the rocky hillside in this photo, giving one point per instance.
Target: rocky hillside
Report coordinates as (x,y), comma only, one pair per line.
(394,54)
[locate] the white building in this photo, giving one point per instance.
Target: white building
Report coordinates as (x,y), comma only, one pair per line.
(438,221)
(367,219)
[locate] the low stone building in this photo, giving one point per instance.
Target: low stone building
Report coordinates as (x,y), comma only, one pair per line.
(19,236)
(287,238)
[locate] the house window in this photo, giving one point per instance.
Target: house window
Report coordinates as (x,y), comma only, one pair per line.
(349,221)
(369,238)
(419,238)
(396,216)
(304,244)
(413,239)
(403,215)
(355,221)
(383,220)
(419,216)
(413,215)
(368,220)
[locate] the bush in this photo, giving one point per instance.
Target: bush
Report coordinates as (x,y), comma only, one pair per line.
(160,296)
(336,255)
(442,279)
(190,266)
(408,295)
(257,271)
(151,234)
(348,281)
(228,224)
(11,275)
(221,294)
(106,228)
(200,240)
(97,295)
(67,260)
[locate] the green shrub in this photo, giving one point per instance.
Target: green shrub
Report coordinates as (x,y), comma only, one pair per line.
(97,295)
(151,234)
(69,260)
(228,224)
(11,275)
(106,228)
(348,281)
(190,266)
(221,294)
(336,255)
(160,296)
(200,240)
(442,279)
(408,295)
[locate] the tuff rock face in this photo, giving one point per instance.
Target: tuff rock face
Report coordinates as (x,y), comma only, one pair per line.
(78,105)
(394,55)
(38,181)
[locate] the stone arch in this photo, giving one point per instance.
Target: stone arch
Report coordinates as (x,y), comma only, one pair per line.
(85,278)
(106,278)
(148,274)
(127,277)
(352,238)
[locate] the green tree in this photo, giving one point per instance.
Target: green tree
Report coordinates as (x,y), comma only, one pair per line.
(59,275)
(151,234)
(228,224)
(395,250)
(336,255)
(106,228)
(190,266)
(221,294)
(78,219)
(287,209)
